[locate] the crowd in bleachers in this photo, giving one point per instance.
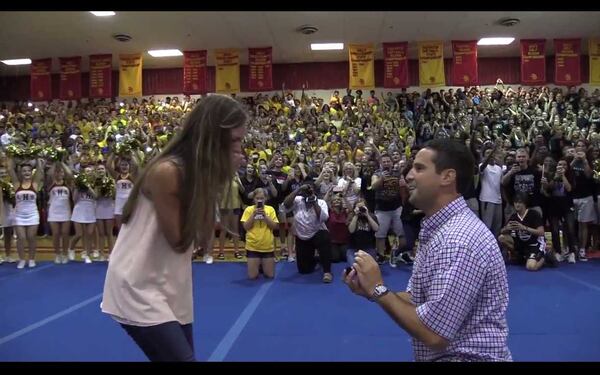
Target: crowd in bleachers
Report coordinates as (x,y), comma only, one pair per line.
(537,151)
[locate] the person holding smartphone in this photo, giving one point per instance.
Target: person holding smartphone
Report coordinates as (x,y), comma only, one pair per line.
(259,221)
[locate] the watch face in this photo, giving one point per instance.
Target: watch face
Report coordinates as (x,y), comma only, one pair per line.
(380,289)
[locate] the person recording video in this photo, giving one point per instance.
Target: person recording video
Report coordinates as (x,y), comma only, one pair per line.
(310,216)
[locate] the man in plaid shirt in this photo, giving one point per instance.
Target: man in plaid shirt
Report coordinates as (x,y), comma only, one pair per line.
(456,300)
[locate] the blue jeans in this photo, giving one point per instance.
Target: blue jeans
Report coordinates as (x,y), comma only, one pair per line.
(166,342)
(350,254)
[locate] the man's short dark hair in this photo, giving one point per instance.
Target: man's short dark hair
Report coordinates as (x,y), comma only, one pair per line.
(521,197)
(452,154)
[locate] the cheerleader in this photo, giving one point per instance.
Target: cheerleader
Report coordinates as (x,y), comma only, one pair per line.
(59,211)
(8,213)
(124,179)
(105,211)
(84,214)
(27,215)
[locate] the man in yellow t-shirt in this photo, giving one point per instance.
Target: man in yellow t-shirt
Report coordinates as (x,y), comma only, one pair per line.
(259,222)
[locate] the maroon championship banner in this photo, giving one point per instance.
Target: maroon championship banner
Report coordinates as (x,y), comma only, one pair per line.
(194,72)
(40,86)
(100,76)
(395,65)
(70,78)
(464,63)
(567,64)
(533,62)
(260,67)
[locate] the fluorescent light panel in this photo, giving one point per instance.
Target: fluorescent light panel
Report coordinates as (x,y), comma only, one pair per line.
(103,13)
(495,41)
(326,46)
(165,52)
(17,62)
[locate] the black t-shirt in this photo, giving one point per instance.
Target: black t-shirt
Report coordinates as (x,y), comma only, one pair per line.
(279,178)
(583,186)
(532,219)
(527,181)
(387,197)
(367,194)
(249,187)
(364,236)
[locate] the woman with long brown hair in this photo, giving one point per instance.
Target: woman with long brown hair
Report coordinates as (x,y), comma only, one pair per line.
(171,210)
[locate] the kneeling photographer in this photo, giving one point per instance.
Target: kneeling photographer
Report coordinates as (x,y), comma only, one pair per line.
(310,216)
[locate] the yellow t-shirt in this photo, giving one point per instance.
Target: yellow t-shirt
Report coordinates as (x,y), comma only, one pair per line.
(232,200)
(259,237)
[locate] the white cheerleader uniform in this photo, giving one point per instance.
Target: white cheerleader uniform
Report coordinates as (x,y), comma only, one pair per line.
(59,206)
(105,208)
(26,210)
(85,209)
(9,214)
(123,187)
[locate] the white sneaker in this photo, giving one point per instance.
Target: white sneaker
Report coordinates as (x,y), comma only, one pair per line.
(58,259)
(291,258)
(21,264)
(208,259)
(1,259)
(31,263)
(559,257)
(95,254)
(571,258)
(87,259)
(101,258)
(64,259)
(11,260)
(71,254)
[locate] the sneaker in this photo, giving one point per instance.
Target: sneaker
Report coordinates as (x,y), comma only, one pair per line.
(207,259)
(58,259)
(571,258)
(559,257)
(291,259)
(582,257)
(1,259)
(380,259)
(327,277)
(101,258)
(238,255)
(21,264)
(31,263)
(64,259)
(84,255)
(95,254)
(11,260)
(87,259)
(221,256)
(405,258)
(71,254)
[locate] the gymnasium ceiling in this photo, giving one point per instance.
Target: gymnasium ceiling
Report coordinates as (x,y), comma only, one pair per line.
(79,33)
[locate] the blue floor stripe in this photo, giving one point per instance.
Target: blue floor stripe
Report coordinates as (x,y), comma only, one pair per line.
(26,271)
(234,332)
(579,281)
(49,319)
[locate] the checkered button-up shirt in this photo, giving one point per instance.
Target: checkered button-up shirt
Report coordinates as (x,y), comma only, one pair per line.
(460,287)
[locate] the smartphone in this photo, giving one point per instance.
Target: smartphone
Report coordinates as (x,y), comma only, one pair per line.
(260,204)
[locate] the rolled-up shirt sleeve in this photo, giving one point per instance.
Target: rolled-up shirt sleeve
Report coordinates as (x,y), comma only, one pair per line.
(324,211)
(453,292)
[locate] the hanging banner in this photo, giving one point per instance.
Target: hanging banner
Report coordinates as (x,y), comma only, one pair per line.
(260,66)
(533,62)
(567,62)
(194,72)
(41,84)
(431,64)
(594,52)
(464,63)
(395,65)
(362,66)
(100,76)
(70,78)
(227,71)
(130,75)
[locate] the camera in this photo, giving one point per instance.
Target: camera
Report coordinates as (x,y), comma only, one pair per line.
(311,199)
(362,209)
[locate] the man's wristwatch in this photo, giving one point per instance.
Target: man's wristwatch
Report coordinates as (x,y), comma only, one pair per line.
(379,291)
